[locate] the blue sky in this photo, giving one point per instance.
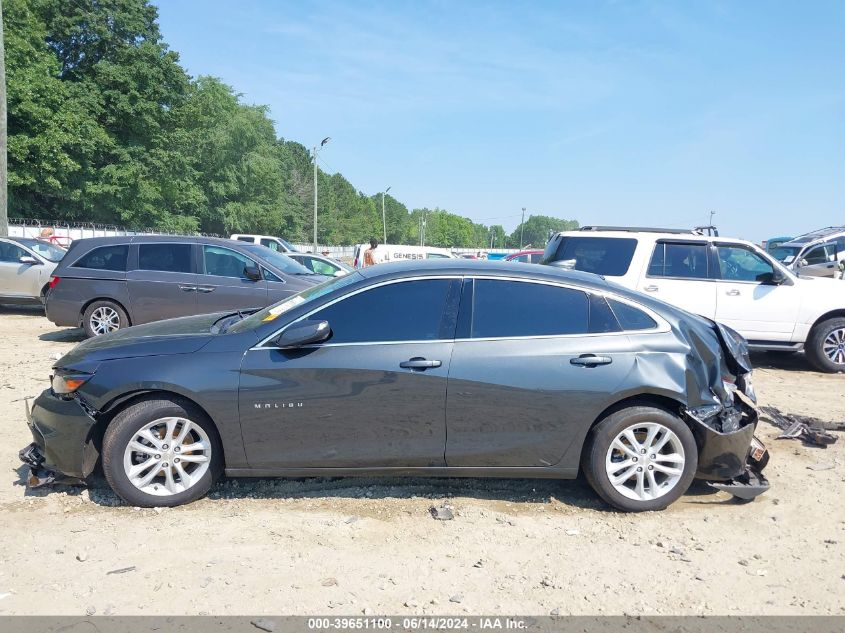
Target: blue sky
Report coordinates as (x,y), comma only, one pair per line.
(644,113)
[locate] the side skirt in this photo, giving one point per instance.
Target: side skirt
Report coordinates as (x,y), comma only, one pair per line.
(506,473)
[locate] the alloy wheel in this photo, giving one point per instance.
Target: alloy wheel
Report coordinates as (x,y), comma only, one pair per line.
(104,320)
(167,456)
(834,346)
(645,461)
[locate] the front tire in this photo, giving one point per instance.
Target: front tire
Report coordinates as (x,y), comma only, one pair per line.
(640,458)
(161,452)
(825,347)
(103,317)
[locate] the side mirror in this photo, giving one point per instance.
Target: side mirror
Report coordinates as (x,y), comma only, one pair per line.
(339,272)
(252,273)
(801,263)
(774,278)
(303,333)
(28,259)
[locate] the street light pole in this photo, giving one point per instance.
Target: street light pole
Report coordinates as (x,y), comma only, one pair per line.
(316,149)
(521,228)
(383,216)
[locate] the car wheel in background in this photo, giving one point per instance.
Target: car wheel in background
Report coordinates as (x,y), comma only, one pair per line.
(161,453)
(102,317)
(825,347)
(640,458)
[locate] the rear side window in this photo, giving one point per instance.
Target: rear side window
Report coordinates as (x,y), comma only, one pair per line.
(631,318)
(405,311)
(514,308)
(683,261)
(243,238)
(600,255)
(105,258)
(271,244)
(171,258)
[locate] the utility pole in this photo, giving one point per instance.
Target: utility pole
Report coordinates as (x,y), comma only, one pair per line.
(422,233)
(316,149)
(521,228)
(383,216)
(4,213)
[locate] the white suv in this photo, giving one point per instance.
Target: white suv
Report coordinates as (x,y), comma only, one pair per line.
(726,280)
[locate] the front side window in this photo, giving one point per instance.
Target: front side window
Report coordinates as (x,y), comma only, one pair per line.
(819,255)
(271,244)
(515,308)
(171,258)
(679,260)
(737,263)
(105,258)
(48,251)
(222,262)
(405,311)
(319,266)
(600,255)
(535,258)
(11,253)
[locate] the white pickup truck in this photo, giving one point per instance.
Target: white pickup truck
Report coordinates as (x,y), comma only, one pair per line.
(727,280)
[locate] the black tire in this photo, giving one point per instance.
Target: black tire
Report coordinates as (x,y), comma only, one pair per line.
(123,429)
(814,347)
(602,436)
(99,307)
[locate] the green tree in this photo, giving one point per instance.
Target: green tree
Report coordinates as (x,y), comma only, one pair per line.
(537,229)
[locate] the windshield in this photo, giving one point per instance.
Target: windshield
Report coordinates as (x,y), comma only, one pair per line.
(272,312)
(277,259)
(48,251)
(785,254)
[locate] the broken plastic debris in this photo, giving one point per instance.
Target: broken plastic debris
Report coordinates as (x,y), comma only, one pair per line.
(442,513)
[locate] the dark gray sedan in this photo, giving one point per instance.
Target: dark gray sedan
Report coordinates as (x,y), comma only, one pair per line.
(105,284)
(450,367)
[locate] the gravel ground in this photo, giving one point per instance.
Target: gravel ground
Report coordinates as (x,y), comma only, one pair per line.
(361,546)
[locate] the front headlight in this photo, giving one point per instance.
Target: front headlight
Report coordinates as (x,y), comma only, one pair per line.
(64,384)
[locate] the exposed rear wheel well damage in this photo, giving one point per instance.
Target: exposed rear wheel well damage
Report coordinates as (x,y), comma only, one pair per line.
(127,400)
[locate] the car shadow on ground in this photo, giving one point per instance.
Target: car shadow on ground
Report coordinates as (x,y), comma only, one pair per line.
(788,361)
(67,335)
(575,493)
(35,309)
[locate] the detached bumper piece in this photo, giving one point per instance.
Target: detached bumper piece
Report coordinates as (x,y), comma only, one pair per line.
(747,486)
(38,475)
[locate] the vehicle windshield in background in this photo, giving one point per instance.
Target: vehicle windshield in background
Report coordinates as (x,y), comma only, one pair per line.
(48,251)
(600,255)
(272,312)
(785,254)
(279,260)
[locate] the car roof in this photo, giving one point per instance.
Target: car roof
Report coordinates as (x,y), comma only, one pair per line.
(475,267)
(656,236)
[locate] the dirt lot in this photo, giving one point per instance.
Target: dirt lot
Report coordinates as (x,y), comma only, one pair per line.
(370,546)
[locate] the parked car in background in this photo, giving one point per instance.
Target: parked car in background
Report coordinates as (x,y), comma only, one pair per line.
(396,252)
(773,242)
(25,268)
(321,265)
(731,281)
(815,254)
(271,242)
(548,372)
(526,257)
(108,283)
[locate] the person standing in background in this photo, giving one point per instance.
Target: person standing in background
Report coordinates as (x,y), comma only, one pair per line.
(369,254)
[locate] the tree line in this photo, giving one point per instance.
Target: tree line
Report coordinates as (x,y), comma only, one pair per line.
(105,126)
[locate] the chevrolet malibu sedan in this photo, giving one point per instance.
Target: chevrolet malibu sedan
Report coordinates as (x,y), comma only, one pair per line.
(418,368)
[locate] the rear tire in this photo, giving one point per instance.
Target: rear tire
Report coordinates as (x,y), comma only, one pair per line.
(825,347)
(103,317)
(161,452)
(640,458)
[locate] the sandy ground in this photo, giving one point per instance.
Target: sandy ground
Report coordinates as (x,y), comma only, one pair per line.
(356,546)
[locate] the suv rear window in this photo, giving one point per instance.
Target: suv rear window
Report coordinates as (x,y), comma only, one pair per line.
(105,258)
(600,255)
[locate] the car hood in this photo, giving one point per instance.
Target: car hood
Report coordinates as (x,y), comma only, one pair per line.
(172,336)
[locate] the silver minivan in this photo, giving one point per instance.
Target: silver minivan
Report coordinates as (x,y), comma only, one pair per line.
(104,284)
(815,254)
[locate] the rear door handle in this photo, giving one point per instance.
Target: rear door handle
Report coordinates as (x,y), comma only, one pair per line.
(205,288)
(187,288)
(732,293)
(419,363)
(651,288)
(590,360)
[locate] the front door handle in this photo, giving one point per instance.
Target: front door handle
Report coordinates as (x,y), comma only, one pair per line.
(187,288)
(651,288)
(732,293)
(419,363)
(205,288)
(590,360)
